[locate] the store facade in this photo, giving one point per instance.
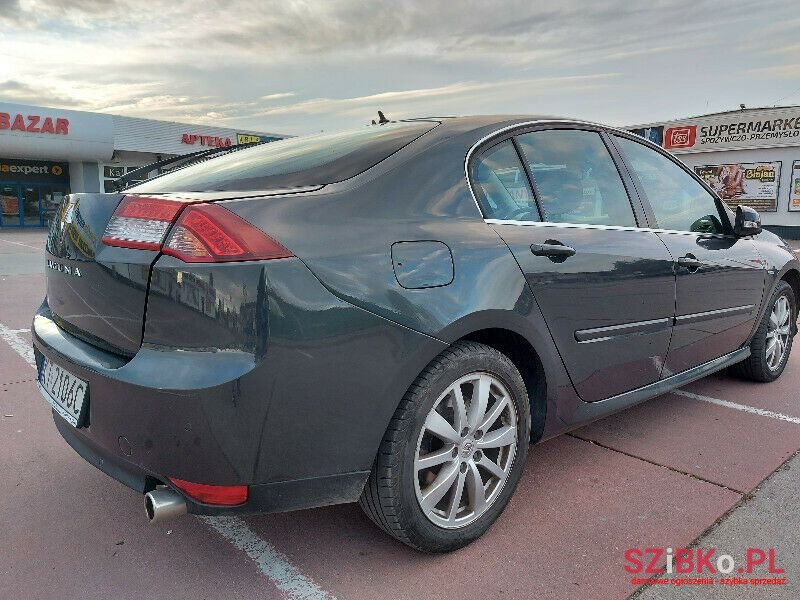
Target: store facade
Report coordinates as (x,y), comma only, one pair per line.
(46,153)
(748,156)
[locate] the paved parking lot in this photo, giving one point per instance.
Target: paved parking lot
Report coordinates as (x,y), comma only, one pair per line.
(658,475)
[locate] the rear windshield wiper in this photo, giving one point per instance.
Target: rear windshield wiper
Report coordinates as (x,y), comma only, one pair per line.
(184,160)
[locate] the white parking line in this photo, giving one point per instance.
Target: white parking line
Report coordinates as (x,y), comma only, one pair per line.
(18,343)
(744,408)
(272,564)
(21,244)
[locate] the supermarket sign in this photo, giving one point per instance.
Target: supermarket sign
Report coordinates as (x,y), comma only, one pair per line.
(745,129)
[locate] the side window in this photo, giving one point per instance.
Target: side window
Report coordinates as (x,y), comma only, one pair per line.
(576,178)
(679,202)
(501,185)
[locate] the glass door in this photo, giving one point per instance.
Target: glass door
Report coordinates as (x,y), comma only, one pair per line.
(9,205)
(51,199)
(31,215)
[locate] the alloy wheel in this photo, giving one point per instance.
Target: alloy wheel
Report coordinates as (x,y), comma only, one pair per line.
(778,333)
(465,450)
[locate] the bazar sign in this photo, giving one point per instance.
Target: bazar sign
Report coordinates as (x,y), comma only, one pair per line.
(34,123)
(772,130)
(206,140)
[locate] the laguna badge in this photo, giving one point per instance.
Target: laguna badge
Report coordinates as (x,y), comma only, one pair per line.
(62,268)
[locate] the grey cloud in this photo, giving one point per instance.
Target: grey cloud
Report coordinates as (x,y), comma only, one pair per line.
(295,66)
(18,91)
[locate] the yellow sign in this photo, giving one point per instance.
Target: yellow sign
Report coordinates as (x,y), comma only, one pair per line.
(245,138)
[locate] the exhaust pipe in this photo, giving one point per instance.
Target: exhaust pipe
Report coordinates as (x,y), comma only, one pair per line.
(162,504)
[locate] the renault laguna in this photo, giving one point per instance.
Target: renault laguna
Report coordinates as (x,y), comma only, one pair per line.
(391,315)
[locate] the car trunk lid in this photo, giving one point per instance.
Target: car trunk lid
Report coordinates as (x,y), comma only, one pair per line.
(96,292)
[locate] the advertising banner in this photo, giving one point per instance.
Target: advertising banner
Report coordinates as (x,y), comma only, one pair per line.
(33,171)
(754,184)
(794,187)
(766,128)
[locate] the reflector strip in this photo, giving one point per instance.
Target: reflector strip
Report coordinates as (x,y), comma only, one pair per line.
(228,495)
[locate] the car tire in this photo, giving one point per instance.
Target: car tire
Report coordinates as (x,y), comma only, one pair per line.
(763,365)
(402,490)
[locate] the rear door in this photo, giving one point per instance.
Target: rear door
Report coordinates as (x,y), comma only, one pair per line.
(720,278)
(605,286)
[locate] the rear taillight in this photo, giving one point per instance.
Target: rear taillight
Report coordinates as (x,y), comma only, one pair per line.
(201,232)
(141,223)
(210,233)
(227,495)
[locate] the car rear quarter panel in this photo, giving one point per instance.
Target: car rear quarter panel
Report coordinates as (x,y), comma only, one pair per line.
(319,376)
(345,232)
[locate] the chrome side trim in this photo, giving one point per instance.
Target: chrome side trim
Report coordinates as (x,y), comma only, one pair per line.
(602,334)
(601,227)
(602,127)
(713,314)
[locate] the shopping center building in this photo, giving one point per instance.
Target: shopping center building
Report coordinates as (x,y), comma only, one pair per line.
(46,153)
(749,156)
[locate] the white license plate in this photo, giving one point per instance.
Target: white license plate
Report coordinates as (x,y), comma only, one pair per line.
(65,392)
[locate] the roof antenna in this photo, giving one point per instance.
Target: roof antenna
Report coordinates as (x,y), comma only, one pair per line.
(382,120)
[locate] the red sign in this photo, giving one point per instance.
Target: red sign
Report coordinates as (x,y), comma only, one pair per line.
(206,140)
(34,124)
(680,137)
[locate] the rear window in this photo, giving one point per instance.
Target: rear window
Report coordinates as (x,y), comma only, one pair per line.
(308,160)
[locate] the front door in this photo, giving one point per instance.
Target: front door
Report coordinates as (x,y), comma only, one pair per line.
(605,286)
(720,278)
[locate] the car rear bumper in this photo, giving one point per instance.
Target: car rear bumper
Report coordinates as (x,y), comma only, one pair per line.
(300,422)
(141,435)
(263,498)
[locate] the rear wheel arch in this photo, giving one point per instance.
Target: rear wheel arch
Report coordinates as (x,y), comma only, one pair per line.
(525,357)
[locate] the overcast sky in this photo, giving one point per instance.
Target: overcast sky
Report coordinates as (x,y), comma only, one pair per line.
(301,66)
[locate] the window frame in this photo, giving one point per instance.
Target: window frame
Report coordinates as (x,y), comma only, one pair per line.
(476,190)
(722,210)
(512,131)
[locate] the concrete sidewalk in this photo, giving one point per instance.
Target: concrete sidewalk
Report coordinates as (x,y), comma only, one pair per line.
(767,519)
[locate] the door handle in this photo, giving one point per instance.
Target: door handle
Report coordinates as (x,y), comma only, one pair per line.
(690,262)
(552,249)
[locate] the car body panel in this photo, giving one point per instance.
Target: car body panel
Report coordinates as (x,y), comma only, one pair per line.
(285,374)
(229,414)
(715,304)
(619,285)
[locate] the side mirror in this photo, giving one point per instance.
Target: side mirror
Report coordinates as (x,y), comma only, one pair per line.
(748,221)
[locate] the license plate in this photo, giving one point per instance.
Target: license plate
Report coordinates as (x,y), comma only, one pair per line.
(65,392)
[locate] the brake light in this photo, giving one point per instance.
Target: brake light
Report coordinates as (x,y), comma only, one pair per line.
(228,495)
(211,233)
(141,223)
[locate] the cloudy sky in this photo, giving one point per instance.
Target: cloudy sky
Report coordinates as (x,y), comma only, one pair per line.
(298,66)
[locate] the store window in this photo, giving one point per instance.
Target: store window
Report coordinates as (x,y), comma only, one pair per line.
(113,172)
(31,191)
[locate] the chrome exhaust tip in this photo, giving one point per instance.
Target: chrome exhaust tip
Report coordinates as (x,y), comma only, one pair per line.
(163,504)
